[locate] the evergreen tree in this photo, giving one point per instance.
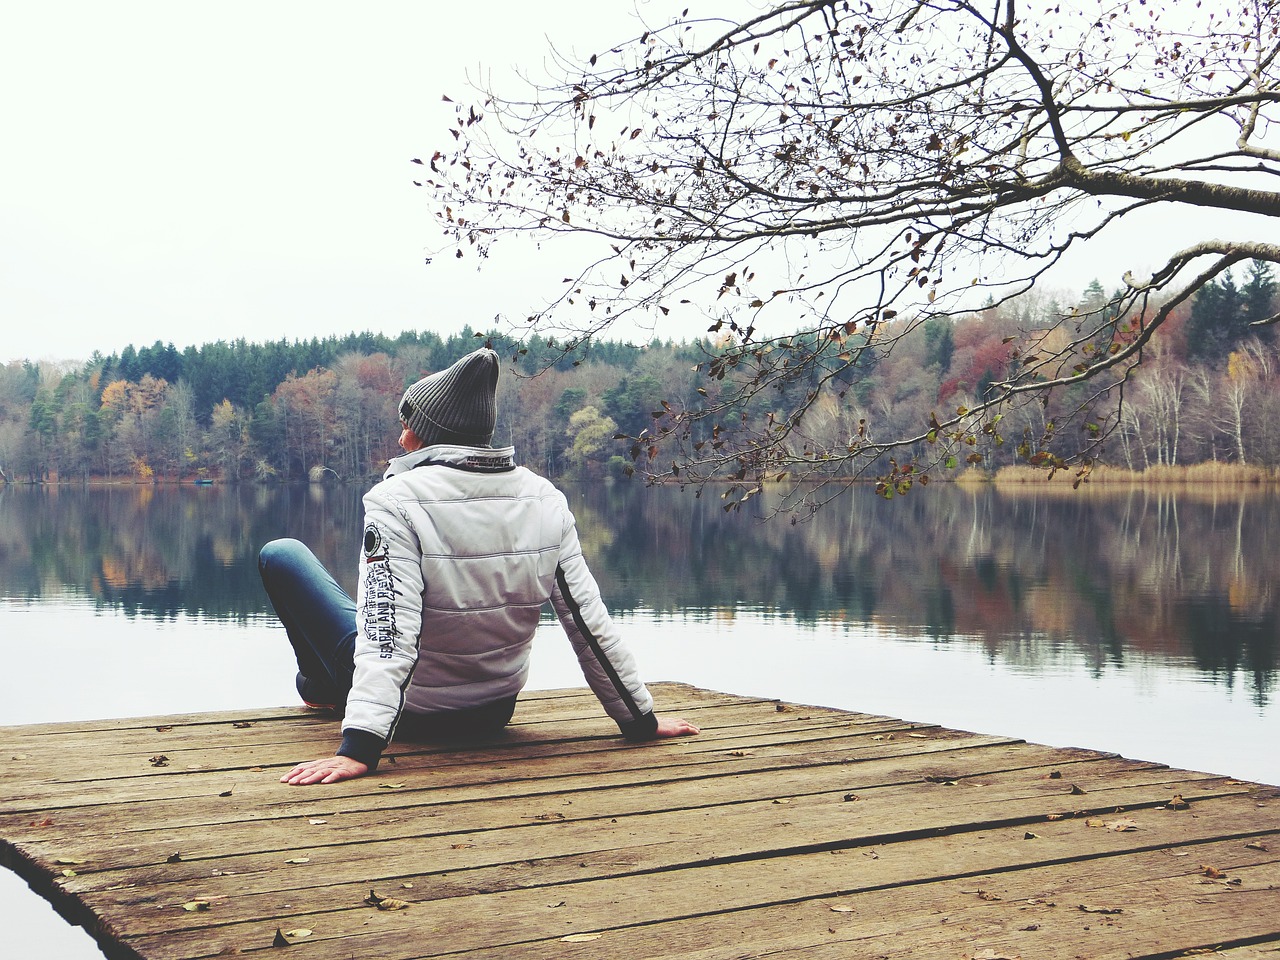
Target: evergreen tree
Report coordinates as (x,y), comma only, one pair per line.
(1258,298)
(1217,322)
(631,403)
(940,343)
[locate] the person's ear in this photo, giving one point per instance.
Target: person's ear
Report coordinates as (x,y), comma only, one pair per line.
(409,440)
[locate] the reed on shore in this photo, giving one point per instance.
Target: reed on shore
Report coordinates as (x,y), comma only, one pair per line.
(1208,472)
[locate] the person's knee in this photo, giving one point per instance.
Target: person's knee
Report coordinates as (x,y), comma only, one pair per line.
(280,554)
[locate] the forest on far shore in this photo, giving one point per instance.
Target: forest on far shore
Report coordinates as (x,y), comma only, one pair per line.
(326,408)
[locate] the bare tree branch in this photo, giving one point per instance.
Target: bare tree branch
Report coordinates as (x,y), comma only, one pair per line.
(824,178)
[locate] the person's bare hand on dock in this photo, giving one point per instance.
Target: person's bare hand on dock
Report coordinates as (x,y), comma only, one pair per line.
(329,770)
(675,727)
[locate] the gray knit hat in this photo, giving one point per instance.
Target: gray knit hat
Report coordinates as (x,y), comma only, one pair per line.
(455,405)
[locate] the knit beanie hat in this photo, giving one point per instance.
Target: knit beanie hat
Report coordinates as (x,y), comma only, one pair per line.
(455,405)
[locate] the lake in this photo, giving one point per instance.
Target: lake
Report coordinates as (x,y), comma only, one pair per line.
(1141,621)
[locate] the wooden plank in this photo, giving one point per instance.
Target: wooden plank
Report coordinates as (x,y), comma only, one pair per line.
(707,908)
(148,778)
(783,829)
(507,804)
(495,862)
(755,804)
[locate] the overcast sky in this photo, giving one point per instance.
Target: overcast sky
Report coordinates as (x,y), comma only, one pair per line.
(187,173)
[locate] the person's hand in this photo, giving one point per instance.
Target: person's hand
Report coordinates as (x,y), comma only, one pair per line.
(674,727)
(328,770)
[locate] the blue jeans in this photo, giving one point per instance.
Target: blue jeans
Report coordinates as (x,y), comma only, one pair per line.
(318,616)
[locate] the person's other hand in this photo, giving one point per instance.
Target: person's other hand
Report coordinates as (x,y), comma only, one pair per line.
(328,770)
(675,727)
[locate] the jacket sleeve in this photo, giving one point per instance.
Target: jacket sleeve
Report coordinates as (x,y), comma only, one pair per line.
(607,664)
(388,619)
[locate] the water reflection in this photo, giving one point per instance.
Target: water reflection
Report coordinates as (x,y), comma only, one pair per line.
(1184,576)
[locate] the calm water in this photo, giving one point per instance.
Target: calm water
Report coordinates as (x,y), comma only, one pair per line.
(1138,621)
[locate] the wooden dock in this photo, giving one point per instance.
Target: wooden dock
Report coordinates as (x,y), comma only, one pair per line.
(782,831)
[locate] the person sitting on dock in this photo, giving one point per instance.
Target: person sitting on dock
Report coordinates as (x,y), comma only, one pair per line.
(461,550)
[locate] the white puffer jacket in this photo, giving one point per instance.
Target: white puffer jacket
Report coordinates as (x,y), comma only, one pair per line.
(461,550)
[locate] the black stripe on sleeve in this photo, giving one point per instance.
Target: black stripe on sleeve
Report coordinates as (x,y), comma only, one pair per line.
(576,612)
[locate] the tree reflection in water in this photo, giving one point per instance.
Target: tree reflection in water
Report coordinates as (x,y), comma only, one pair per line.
(1186,575)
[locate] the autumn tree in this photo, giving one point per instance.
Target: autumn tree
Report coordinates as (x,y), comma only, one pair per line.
(589,431)
(137,433)
(227,438)
(799,178)
(305,409)
(368,389)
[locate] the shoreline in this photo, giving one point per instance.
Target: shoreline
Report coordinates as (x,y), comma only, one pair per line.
(1197,474)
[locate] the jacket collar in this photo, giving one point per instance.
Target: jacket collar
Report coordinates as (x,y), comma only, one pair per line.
(478,459)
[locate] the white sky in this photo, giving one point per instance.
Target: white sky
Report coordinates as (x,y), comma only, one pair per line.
(187,173)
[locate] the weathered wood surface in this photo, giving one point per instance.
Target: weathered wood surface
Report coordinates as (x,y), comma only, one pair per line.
(782,831)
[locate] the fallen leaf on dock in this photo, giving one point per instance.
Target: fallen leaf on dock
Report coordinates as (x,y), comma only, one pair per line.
(159,760)
(390,786)
(173,858)
(164,728)
(316,822)
(1177,803)
(241,724)
(840,908)
(581,937)
(196,906)
(385,903)
(1120,826)
(1211,872)
(1104,910)
(1256,845)
(19,756)
(298,934)
(1076,791)
(299,860)
(68,861)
